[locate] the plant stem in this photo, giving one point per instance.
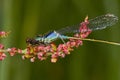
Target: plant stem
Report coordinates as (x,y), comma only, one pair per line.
(95,40)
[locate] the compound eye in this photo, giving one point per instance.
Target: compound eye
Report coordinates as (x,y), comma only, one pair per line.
(31,41)
(28,40)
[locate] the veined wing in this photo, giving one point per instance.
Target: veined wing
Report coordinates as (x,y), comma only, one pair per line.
(98,23)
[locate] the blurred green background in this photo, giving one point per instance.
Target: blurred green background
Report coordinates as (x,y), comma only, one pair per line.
(27,18)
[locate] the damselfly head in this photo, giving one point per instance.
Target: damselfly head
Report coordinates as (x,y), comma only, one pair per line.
(32,41)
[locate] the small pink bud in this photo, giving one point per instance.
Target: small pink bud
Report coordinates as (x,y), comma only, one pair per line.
(32,59)
(23,57)
(19,51)
(40,55)
(2,56)
(40,48)
(12,51)
(1,46)
(3,33)
(62,55)
(54,60)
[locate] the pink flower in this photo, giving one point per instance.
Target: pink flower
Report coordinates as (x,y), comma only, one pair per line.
(84,30)
(40,56)
(19,51)
(12,51)
(23,57)
(54,60)
(62,55)
(3,33)
(2,56)
(40,48)
(1,46)
(59,47)
(63,48)
(55,55)
(32,59)
(78,43)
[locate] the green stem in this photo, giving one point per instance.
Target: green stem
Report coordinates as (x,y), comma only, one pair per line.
(95,40)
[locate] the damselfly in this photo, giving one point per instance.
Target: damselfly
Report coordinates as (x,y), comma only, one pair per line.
(98,23)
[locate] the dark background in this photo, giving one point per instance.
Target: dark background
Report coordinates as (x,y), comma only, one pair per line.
(27,18)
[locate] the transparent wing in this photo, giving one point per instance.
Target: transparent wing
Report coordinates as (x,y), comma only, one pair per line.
(98,23)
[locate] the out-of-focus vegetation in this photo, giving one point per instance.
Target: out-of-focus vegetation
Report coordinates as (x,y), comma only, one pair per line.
(27,18)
